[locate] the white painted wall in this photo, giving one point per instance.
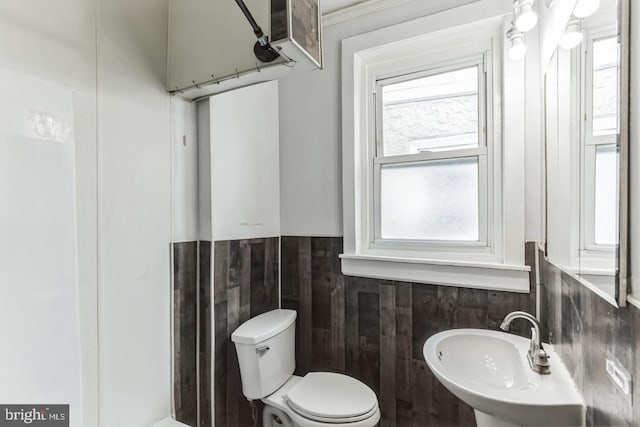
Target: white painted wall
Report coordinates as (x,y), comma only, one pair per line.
(184,170)
(48,216)
(562,168)
(245,173)
(310,128)
(310,118)
(134,213)
(203,122)
(534,142)
(40,328)
(85,152)
(553,21)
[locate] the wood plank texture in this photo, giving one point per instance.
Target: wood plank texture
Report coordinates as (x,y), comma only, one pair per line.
(586,331)
(185,289)
(374,330)
(205,351)
(370,329)
(245,285)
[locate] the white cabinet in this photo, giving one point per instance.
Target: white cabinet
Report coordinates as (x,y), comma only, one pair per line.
(244,170)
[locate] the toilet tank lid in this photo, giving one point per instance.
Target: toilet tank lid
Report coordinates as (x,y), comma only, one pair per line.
(264,326)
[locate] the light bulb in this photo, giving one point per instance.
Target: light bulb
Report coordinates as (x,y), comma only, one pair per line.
(572,36)
(517,51)
(518,48)
(586,8)
(525,17)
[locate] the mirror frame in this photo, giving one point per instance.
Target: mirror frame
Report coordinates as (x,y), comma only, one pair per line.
(623,259)
(622,276)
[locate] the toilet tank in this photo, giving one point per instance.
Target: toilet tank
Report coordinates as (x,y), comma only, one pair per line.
(266,352)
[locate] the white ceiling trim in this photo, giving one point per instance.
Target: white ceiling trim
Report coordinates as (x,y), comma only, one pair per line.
(359,10)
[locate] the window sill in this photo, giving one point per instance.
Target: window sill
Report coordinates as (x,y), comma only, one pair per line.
(499,277)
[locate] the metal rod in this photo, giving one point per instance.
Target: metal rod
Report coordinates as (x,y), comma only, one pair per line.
(290,63)
(247,13)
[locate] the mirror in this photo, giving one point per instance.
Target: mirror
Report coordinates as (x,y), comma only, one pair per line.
(586,143)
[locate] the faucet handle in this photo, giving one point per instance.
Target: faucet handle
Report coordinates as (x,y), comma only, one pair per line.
(541,357)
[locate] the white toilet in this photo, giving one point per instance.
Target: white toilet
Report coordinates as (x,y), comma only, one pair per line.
(266,354)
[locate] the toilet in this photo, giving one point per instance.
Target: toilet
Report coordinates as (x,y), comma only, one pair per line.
(266,354)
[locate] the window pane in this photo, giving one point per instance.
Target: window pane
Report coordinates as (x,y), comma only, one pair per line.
(431,113)
(605,87)
(605,52)
(606,197)
(434,200)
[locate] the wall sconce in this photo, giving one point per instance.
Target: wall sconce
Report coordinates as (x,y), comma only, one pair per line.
(518,48)
(524,15)
(586,8)
(572,36)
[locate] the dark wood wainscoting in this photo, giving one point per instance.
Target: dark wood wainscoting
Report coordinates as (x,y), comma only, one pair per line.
(374,330)
(245,285)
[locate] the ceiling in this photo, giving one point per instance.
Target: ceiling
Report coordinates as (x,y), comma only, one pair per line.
(333,5)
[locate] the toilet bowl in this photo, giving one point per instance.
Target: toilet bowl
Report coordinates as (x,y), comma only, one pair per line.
(306,406)
(266,354)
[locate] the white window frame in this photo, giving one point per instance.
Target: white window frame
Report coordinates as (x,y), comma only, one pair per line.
(593,257)
(482,153)
(464,32)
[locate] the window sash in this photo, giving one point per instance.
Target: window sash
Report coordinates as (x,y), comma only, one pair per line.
(588,92)
(475,61)
(589,202)
(483,198)
(589,144)
(481,152)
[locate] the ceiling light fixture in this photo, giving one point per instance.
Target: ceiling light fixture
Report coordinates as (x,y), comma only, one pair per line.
(524,15)
(518,49)
(572,35)
(586,8)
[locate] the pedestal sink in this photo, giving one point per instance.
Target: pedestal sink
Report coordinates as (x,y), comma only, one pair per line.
(490,372)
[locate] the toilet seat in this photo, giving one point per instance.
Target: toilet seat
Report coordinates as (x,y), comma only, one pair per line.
(279,401)
(335,421)
(332,398)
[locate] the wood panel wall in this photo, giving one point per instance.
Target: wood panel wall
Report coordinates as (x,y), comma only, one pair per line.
(586,331)
(371,329)
(374,330)
(185,318)
(205,355)
(245,285)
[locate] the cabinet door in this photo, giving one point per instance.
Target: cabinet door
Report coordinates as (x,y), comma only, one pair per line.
(245,163)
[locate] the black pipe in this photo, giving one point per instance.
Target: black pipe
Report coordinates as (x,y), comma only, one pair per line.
(247,13)
(262,49)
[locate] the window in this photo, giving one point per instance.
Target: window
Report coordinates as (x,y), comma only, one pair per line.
(426,164)
(431,151)
(599,145)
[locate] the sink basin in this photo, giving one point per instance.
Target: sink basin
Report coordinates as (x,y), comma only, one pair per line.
(489,371)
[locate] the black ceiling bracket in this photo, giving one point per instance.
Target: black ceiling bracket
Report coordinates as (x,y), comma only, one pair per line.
(262,49)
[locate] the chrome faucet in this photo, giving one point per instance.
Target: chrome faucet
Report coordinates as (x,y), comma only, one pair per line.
(538,358)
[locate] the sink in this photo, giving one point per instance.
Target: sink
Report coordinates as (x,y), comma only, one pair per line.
(490,372)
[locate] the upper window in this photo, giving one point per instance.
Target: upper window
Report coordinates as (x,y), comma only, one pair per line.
(604,88)
(599,143)
(432,111)
(430,153)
